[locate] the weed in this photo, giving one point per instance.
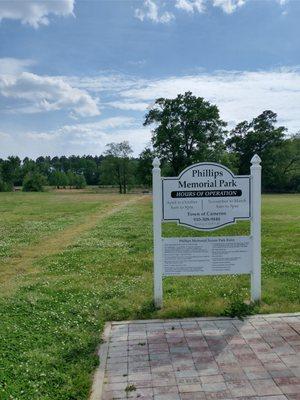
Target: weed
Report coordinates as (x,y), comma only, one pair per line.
(130,388)
(237,306)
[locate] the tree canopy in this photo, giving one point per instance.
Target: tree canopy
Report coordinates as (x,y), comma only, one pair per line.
(116,167)
(187,129)
(260,136)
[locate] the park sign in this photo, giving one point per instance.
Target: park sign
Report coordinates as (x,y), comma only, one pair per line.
(207,196)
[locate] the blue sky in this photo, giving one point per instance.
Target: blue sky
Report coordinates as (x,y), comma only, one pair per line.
(75,75)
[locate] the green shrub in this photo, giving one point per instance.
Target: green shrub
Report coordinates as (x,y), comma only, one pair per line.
(76,180)
(34,182)
(5,186)
(80,182)
(238,307)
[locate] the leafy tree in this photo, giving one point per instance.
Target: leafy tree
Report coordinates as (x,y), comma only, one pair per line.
(59,179)
(90,171)
(76,180)
(71,178)
(284,172)
(80,182)
(144,168)
(43,165)
(259,136)
(28,166)
(4,186)
(117,166)
(187,129)
(34,182)
(10,170)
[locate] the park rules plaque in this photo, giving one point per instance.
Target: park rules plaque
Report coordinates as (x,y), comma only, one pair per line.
(206,196)
(206,256)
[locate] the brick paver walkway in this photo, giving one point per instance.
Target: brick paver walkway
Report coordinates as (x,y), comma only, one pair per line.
(254,359)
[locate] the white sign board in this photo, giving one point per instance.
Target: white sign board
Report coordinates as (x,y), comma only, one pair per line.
(206,196)
(206,256)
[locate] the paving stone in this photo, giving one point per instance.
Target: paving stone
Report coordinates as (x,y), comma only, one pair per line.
(214,387)
(116,378)
(296,371)
(255,359)
(141,384)
(164,382)
(212,379)
(140,393)
(256,372)
(288,385)
(241,388)
(111,395)
(193,396)
(186,374)
(224,395)
(291,360)
(283,373)
(196,387)
(139,376)
(165,390)
(189,380)
(171,396)
(279,397)
(264,387)
(116,386)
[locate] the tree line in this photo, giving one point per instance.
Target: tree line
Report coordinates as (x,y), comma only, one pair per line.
(185,130)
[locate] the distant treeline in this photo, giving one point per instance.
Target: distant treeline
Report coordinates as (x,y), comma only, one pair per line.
(56,171)
(186,130)
(117,169)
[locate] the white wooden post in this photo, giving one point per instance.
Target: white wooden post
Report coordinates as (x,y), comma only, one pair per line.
(157,218)
(256,227)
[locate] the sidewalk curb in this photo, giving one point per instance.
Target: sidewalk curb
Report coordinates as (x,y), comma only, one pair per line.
(98,380)
(250,317)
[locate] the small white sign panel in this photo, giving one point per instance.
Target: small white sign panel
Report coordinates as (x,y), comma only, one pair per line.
(207,256)
(206,196)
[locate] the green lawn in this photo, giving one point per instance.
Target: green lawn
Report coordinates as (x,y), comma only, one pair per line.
(51,322)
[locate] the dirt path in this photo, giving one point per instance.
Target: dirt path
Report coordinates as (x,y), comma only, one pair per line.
(19,266)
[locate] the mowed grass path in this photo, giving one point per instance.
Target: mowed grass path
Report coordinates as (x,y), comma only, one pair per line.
(37,224)
(51,320)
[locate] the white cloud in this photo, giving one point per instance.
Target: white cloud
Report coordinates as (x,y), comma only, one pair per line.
(45,93)
(4,135)
(14,66)
(129,105)
(151,12)
(41,135)
(104,82)
(228,6)
(84,130)
(239,95)
(92,137)
(191,6)
(35,12)
(92,129)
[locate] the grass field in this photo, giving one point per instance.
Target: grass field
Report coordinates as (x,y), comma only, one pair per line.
(71,261)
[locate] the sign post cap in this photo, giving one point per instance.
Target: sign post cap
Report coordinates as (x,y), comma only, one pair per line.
(156,162)
(255,159)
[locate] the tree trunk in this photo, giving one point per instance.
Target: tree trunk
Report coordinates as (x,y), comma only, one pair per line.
(119,179)
(124,180)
